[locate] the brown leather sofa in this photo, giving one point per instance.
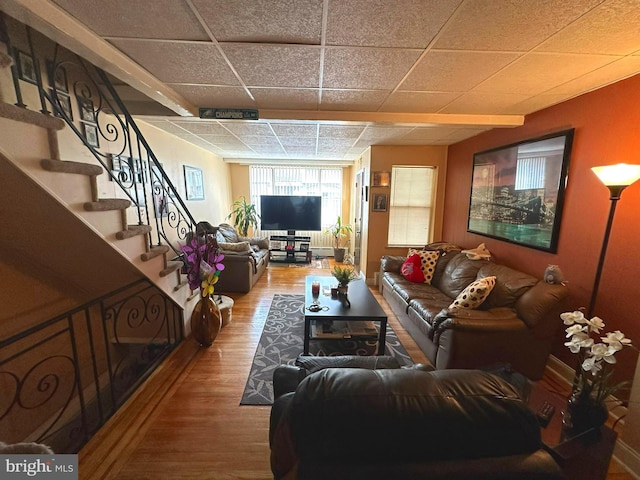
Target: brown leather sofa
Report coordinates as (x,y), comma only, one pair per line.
(397,423)
(515,324)
(245,259)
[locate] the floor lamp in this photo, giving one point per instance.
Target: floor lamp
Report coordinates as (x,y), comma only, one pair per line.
(616,178)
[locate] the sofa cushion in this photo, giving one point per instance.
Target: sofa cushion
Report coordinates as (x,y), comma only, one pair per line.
(429,307)
(459,272)
(510,285)
(408,290)
(428,260)
(235,246)
(227,233)
(411,269)
(474,294)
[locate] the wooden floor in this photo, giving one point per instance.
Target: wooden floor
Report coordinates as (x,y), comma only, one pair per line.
(186,422)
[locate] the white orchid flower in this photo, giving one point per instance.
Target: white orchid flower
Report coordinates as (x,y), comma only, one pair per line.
(616,340)
(600,351)
(578,341)
(569,318)
(595,324)
(575,329)
(592,364)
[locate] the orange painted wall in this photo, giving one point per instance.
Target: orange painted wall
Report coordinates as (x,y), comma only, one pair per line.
(607,131)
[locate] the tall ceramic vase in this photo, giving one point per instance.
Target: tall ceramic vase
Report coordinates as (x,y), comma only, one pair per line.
(206,321)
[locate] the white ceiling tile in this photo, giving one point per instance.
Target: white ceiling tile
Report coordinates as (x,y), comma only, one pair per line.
(593,32)
(186,62)
(418,102)
(294,130)
(248,127)
(506,25)
(263,21)
(455,71)
(537,72)
(339,131)
(401,23)
(484,103)
(359,68)
(355,100)
(166,19)
(308,142)
(253,140)
(324,143)
(426,134)
(384,133)
(275,65)
(215,96)
(286,98)
(210,127)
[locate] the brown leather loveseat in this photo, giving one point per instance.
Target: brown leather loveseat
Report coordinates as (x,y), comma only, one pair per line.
(396,423)
(245,259)
(515,324)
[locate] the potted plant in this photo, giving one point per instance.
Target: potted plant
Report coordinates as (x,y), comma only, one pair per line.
(344,275)
(245,216)
(338,231)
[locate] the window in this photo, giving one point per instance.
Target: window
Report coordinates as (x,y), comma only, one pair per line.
(326,182)
(530,173)
(411,206)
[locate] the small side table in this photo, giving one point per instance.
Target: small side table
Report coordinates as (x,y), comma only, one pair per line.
(225,304)
(582,456)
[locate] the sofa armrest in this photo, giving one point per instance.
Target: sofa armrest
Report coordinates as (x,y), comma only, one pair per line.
(391,263)
(286,379)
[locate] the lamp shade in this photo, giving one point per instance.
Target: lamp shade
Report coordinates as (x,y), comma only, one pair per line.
(621,174)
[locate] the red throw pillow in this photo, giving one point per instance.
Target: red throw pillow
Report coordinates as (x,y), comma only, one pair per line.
(411,269)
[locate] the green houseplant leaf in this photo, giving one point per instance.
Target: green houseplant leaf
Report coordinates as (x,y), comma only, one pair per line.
(245,216)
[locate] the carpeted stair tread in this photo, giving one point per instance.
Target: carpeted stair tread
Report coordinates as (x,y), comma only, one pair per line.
(24,115)
(171,267)
(154,252)
(71,167)
(182,284)
(106,204)
(133,231)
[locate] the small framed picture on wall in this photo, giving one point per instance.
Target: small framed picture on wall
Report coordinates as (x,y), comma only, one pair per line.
(379,203)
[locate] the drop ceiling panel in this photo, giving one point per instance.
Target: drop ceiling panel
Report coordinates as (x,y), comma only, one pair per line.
(360,68)
(338,131)
(263,21)
(452,71)
(476,102)
(248,128)
(418,102)
(507,26)
(355,100)
(535,73)
(203,127)
(623,68)
(253,140)
(275,65)
(215,96)
(185,62)
(293,130)
(166,19)
(307,142)
(401,23)
(286,98)
(593,33)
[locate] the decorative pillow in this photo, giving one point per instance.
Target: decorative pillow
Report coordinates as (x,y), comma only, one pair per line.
(235,246)
(428,261)
(474,294)
(411,269)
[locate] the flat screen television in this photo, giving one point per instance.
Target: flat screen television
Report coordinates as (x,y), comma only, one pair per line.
(517,191)
(282,212)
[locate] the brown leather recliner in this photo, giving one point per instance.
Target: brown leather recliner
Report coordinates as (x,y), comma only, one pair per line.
(348,423)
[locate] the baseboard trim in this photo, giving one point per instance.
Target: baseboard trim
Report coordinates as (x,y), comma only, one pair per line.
(628,458)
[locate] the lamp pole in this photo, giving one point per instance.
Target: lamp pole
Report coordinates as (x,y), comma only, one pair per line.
(615,190)
(616,178)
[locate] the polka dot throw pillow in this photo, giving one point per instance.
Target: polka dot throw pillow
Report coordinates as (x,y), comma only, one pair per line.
(428,260)
(474,294)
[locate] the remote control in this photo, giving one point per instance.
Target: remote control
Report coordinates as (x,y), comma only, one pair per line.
(544,414)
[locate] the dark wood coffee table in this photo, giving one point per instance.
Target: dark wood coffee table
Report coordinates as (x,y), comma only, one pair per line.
(364,308)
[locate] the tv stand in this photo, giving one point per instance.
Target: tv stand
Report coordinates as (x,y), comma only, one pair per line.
(289,253)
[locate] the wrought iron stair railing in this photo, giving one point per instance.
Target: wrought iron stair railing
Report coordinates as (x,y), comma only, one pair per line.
(84,97)
(62,379)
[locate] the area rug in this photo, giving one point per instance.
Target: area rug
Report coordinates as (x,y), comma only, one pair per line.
(281,343)
(319,263)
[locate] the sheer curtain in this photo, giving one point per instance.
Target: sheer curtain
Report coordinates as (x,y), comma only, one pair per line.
(282,180)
